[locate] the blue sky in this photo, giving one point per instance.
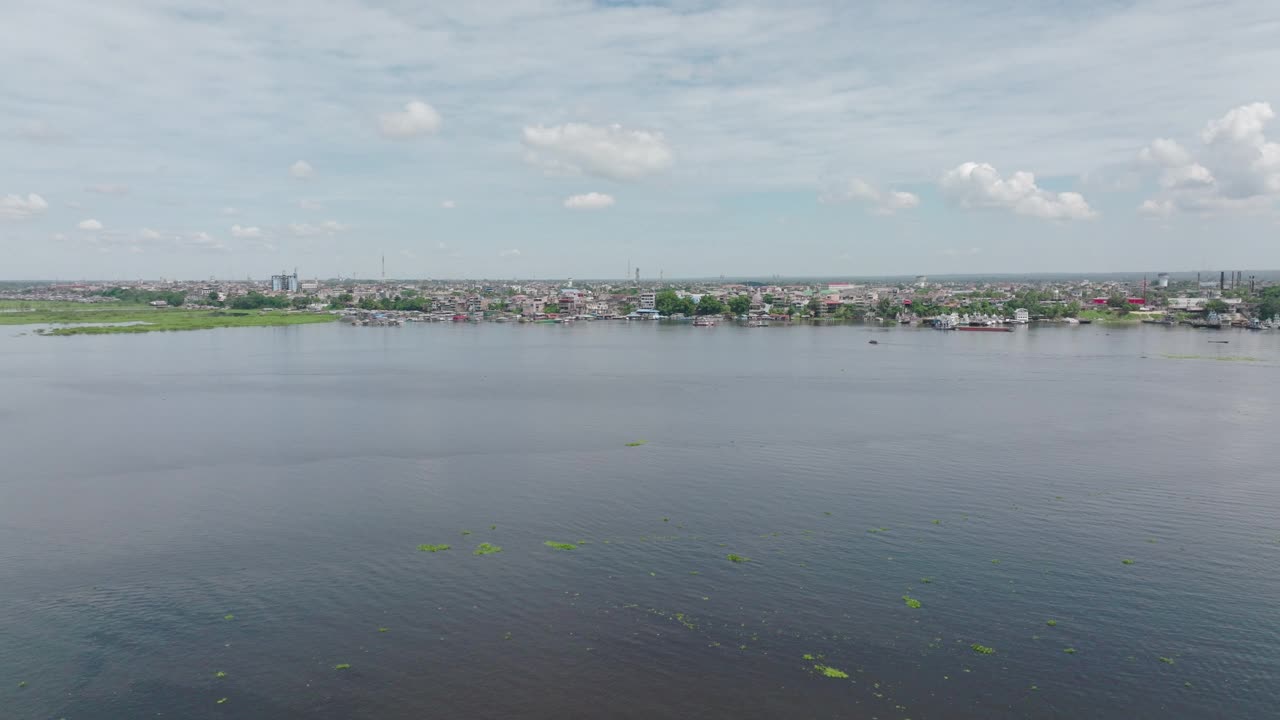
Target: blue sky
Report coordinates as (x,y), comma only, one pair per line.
(556,138)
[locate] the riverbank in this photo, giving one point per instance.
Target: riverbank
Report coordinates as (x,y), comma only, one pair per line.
(111,318)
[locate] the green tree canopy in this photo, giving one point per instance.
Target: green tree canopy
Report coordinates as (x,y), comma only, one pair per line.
(739,304)
(668,303)
(709,305)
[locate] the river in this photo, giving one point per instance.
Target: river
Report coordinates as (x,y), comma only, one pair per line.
(250,501)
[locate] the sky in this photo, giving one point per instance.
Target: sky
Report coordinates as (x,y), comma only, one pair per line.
(691,138)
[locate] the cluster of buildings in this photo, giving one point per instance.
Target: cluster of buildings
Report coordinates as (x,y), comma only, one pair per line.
(606,299)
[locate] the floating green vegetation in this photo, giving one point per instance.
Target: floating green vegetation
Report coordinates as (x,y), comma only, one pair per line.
(1069,651)
(982,649)
(228,616)
(1166,660)
(466,532)
(108,318)
(666,519)
(382,629)
(911,602)
(506,635)
(486,549)
(878,530)
(995,561)
(434,548)
(827,513)
(560,545)
(808,656)
(220,674)
(926,580)
(493,527)
(221,700)
(680,618)
(1051,623)
(342,666)
(937,522)
(831,672)
(1127,561)
(22,683)
(737,558)
(653,574)
(637,443)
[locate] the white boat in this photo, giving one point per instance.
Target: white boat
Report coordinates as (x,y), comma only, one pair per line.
(704,321)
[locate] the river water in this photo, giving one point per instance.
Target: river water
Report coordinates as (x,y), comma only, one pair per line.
(250,502)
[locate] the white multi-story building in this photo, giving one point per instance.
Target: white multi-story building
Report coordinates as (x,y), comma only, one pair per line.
(648,301)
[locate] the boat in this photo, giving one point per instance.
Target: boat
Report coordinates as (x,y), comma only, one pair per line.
(985,328)
(758,323)
(946,322)
(704,321)
(460,318)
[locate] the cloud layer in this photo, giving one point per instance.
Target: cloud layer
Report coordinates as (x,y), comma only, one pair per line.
(16,207)
(881,202)
(979,185)
(417,119)
(609,151)
(589,201)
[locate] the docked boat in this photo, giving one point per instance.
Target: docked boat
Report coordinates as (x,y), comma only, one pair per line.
(704,321)
(946,322)
(985,328)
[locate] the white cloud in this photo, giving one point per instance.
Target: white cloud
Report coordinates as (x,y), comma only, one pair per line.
(513,252)
(302,170)
(306,204)
(1235,168)
(978,185)
(589,201)
(230,211)
(149,234)
(417,119)
(250,232)
(90,224)
(108,189)
(16,207)
(202,241)
(881,202)
(611,152)
(58,237)
(328,227)
(42,132)
(448,204)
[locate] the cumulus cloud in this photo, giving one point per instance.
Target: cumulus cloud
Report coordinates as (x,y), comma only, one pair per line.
(1235,167)
(978,185)
(417,119)
(16,207)
(302,170)
(202,241)
(513,252)
(589,201)
(149,234)
(328,227)
(251,232)
(611,152)
(448,204)
(108,189)
(885,202)
(90,224)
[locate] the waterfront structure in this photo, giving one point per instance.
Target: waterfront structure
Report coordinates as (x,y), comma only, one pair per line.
(649,300)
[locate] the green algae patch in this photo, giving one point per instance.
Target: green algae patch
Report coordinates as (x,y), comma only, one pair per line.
(1051,623)
(220,674)
(560,545)
(486,549)
(228,616)
(221,700)
(434,548)
(637,443)
(1127,561)
(22,683)
(382,629)
(808,656)
(1069,651)
(831,672)
(982,649)
(342,666)
(737,558)
(1166,660)
(911,602)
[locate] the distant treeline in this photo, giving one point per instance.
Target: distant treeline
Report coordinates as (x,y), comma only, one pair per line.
(129,295)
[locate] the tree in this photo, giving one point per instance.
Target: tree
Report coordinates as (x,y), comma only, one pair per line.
(551,308)
(300,302)
(815,306)
(1116,302)
(212,298)
(885,308)
(254,300)
(739,304)
(626,308)
(669,303)
(1269,307)
(1216,305)
(709,305)
(767,298)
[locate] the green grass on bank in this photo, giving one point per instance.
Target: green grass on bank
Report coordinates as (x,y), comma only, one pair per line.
(151,319)
(1109,317)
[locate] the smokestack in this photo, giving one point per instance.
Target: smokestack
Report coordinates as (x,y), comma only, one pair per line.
(1222,280)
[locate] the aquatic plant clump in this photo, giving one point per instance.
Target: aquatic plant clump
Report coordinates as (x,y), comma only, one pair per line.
(637,443)
(1051,623)
(486,549)
(1166,660)
(560,545)
(982,649)
(911,602)
(434,548)
(228,616)
(342,666)
(1127,561)
(831,672)
(737,558)
(1069,651)
(220,674)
